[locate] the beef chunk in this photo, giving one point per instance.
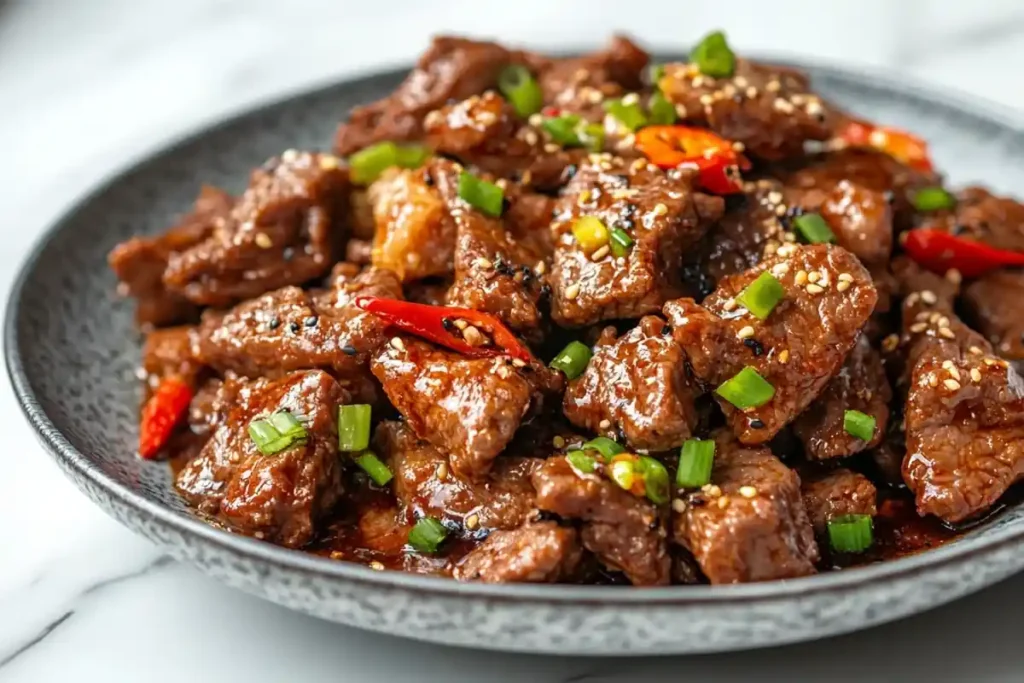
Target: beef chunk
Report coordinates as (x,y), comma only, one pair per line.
(425,486)
(964,413)
(284,230)
(169,351)
(767,108)
(982,216)
(290,329)
(540,552)
(861,385)
(637,386)
(139,263)
(750,523)
(625,532)
(415,235)
(661,212)
(281,496)
(468,407)
(837,493)
(749,231)
(996,306)
(451,69)
(797,349)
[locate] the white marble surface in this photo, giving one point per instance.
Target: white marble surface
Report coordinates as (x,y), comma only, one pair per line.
(88,85)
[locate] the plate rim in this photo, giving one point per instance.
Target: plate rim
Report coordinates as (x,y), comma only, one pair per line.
(189,526)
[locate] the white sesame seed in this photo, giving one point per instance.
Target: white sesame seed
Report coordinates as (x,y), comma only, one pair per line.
(550,147)
(572,291)
(784,356)
(518,363)
(843,285)
(976,374)
(461,324)
(801,277)
(745,332)
(954,373)
(540,268)
(660,209)
(397,344)
(729,305)
(748,491)
(814,289)
(951,384)
(473,336)
(933,381)
(976,350)
(604,424)
(482,262)
(442,471)
(929,297)
(723,502)
(953,275)
(845,277)
(814,277)
(780,269)
(377,566)
(679,505)
(918,327)
(947,333)
(600,253)
(263,240)
(472,522)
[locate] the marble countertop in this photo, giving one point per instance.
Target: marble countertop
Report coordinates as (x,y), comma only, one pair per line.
(86,87)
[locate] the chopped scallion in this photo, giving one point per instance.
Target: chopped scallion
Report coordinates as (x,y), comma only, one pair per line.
(571,130)
(367,164)
(427,535)
(412,156)
(573,359)
(581,462)
(354,427)
(695,460)
(762,295)
(850,533)
(655,72)
(605,446)
(486,197)
(713,56)
(661,111)
(933,199)
(813,228)
(620,242)
(277,432)
(858,424)
(655,480)
(521,89)
(374,467)
(746,389)
(630,115)
(623,472)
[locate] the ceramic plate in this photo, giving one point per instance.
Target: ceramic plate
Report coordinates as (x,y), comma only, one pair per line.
(72,352)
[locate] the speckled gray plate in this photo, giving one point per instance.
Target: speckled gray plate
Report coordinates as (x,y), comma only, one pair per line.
(71,352)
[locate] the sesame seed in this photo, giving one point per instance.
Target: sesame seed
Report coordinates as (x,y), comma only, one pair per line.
(473,336)
(775,197)
(460,324)
(951,384)
(572,291)
(472,522)
(600,253)
(442,471)
(773,86)
(729,305)
(784,356)
(660,209)
(377,566)
(814,277)
(259,534)
(530,137)
(843,285)
(738,146)
(912,297)
(933,381)
(679,505)
(976,350)
(751,92)
(263,240)
(929,297)
(723,502)
(706,100)
(814,289)
(784,106)
(518,363)
(953,275)
(785,250)
(712,490)
(540,268)
(801,277)
(745,332)
(780,269)
(954,373)
(976,374)
(918,327)
(558,442)
(328,162)
(604,424)
(845,277)
(397,344)
(890,343)
(482,262)
(748,491)
(550,147)
(947,333)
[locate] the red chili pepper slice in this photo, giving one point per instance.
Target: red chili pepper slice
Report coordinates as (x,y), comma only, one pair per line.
(939,251)
(161,413)
(437,324)
(717,163)
(899,144)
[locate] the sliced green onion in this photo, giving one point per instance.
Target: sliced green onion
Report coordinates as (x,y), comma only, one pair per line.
(605,446)
(746,389)
(623,472)
(762,295)
(427,535)
(486,197)
(858,424)
(570,130)
(367,164)
(573,359)
(713,56)
(813,228)
(373,466)
(581,462)
(277,432)
(661,111)
(591,136)
(630,115)
(412,156)
(655,480)
(520,88)
(850,533)
(655,72)
(354,427)
(933,199)
(695,460)
(620,242)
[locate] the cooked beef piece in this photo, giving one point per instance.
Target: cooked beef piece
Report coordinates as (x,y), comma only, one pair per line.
(804,341)
(915,283)
(359,252)
(663,215)
(981,216)
(291,329)
(539,552)
(769,109)
(285,229)
(484,132)
(168,351)
(212,402)
(468,407)
(624,531)
(360,214)
(888,459)
(431,292)
(996,306)
(637,386)
(860,385)
(685,569)
(425,485)
(750,230)
(964,413)
(451,69)
(415,235)
(139,263)
(837,493)
(750,523)
(278,497)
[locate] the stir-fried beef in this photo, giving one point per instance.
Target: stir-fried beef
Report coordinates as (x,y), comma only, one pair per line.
(168,351)
(637,386)
(664,215)
(139,263)
(540,552)
(803,342)
(749,231)
(750,523)
(625,532)
(280,496)
(982,216)
(996,306)
(837,493)
(284,230)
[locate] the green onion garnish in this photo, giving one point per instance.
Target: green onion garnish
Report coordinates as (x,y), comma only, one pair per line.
(850,533)
(354,427)
(631,116)
(573,359)
(572,131)
(623,472)
(933,199)
(655,480)
(427,535)
(591,136)
(620,242)
(661,111)
(605,446)
(373,466)
(746,389)
(713,56)
(762,295)
(277,432)
(655,72)
(695,460)
(814,228)
(581,462)
(520,88)
(858,424)
(367,164)
(486,197)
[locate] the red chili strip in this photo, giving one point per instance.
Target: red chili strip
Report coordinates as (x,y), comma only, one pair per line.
(939,251)
(718,164)
(899,144)
(161,414)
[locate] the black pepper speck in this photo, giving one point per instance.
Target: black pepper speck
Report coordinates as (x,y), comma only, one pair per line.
(293,326)
(311,321)
(754,346)
(348,350)
(273,324)
(756,424)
